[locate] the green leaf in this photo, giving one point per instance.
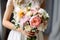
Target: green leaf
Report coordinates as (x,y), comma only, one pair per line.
(30,4)
(17,26)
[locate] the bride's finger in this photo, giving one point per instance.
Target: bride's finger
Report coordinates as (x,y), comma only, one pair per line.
(32,33)
(29,33)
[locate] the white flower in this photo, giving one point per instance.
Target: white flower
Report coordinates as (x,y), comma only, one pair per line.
(17,9)
(47,15)
(29,13)
(42,27)
(27,28)
(43,12)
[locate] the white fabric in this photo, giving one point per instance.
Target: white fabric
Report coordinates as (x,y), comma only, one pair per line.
(14,35)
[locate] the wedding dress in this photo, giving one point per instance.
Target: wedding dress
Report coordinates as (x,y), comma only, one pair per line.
(14,35)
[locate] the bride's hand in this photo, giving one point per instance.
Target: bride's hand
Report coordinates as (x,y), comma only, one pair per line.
(29,34)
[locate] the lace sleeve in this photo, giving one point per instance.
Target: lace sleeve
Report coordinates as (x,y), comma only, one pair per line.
(9,3)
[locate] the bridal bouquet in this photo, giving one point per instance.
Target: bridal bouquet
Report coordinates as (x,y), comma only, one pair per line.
(31,20)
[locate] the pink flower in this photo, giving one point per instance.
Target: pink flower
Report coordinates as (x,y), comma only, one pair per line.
(35,21)
(34,11)
(24,20)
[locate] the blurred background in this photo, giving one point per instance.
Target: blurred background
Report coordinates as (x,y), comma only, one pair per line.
(51,6)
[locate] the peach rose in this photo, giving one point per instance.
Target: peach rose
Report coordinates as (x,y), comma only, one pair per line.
(35,21)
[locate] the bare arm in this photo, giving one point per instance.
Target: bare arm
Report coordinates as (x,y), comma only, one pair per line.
(7,15)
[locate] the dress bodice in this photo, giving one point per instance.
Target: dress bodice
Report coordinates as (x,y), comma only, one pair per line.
(34,4)
(16,3)
(26,2)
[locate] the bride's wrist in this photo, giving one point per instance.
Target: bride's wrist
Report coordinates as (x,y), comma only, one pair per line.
(19,30)
(15,28)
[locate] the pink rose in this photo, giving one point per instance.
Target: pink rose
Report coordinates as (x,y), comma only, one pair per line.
(35,21)
(24,20)
(34,11)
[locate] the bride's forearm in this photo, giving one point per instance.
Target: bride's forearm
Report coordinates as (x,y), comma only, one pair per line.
(11,26)
(8,24)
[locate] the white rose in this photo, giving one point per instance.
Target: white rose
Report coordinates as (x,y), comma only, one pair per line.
(27,28)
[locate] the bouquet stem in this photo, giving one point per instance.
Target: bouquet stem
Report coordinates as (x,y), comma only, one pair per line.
(32,38)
